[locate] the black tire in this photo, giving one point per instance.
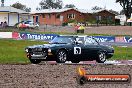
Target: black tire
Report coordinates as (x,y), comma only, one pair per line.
(101,58)
(61,56)
(34,61)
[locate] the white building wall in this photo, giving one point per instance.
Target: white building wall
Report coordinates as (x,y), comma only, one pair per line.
(4,17)
(31,18)
(13,19)
(122,19)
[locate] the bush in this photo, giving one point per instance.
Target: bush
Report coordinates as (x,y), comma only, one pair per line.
(64,24)
(92,21)
(72,21)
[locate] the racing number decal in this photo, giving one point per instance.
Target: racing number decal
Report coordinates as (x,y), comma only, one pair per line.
(77,50)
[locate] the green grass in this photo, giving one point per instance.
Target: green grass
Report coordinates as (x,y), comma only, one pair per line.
(122,53)
(12,51)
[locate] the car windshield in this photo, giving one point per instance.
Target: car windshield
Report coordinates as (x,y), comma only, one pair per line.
(62,40)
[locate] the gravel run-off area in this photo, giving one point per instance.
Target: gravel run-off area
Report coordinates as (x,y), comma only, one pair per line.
(57,75)
(108,30)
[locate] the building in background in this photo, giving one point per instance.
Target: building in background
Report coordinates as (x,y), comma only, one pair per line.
(12,15)
(121,18)
(102,16)
(57,16)
(60,16)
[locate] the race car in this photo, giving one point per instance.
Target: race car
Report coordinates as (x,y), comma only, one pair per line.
(70,48)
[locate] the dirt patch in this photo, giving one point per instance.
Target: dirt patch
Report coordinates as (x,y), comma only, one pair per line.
(108,30)
(56,76)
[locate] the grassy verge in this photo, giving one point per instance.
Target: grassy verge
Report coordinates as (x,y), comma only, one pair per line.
(12,51)
(122,53)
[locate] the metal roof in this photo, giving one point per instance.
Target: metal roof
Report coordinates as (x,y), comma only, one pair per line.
(11,10)
(91,11)
(66,9)
(52,10)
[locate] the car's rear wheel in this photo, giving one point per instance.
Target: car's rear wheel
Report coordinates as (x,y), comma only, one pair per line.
(34,61)
(61,56)
(101,57)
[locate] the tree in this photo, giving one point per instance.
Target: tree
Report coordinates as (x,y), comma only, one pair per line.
(127,7)
(114,12)
(96,8)
(21,6)
(2,2)
(70,6)
(51,4)
(122,12)
(38,8)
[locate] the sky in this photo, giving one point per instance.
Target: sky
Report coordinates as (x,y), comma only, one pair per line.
(80,4)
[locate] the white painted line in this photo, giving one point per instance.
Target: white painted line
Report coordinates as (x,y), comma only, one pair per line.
(122,64)
(112,62)
(68,62)
(124,46)
(129,60)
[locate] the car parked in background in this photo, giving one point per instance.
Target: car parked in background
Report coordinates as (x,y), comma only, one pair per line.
(69,48)
(27,24)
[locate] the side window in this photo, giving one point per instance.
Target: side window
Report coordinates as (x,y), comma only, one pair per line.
(80,39)
(90,41)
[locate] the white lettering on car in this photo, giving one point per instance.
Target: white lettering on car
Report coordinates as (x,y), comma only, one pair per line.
(77,50)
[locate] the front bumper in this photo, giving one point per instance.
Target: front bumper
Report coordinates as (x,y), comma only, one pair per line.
(33,56)
(109,55)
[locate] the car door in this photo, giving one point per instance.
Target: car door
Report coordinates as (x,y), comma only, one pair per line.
(78,48)
(91,48)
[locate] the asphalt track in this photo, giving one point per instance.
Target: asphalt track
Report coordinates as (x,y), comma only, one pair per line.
(117,44)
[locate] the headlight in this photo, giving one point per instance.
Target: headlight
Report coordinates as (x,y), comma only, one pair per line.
(49,50)
(111,47)
(26,50)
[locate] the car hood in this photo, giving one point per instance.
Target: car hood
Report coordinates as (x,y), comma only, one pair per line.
(45,46)
(107,47)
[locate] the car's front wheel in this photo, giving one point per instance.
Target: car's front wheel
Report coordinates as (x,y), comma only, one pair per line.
(34,61)
(61,56)
(101,57)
